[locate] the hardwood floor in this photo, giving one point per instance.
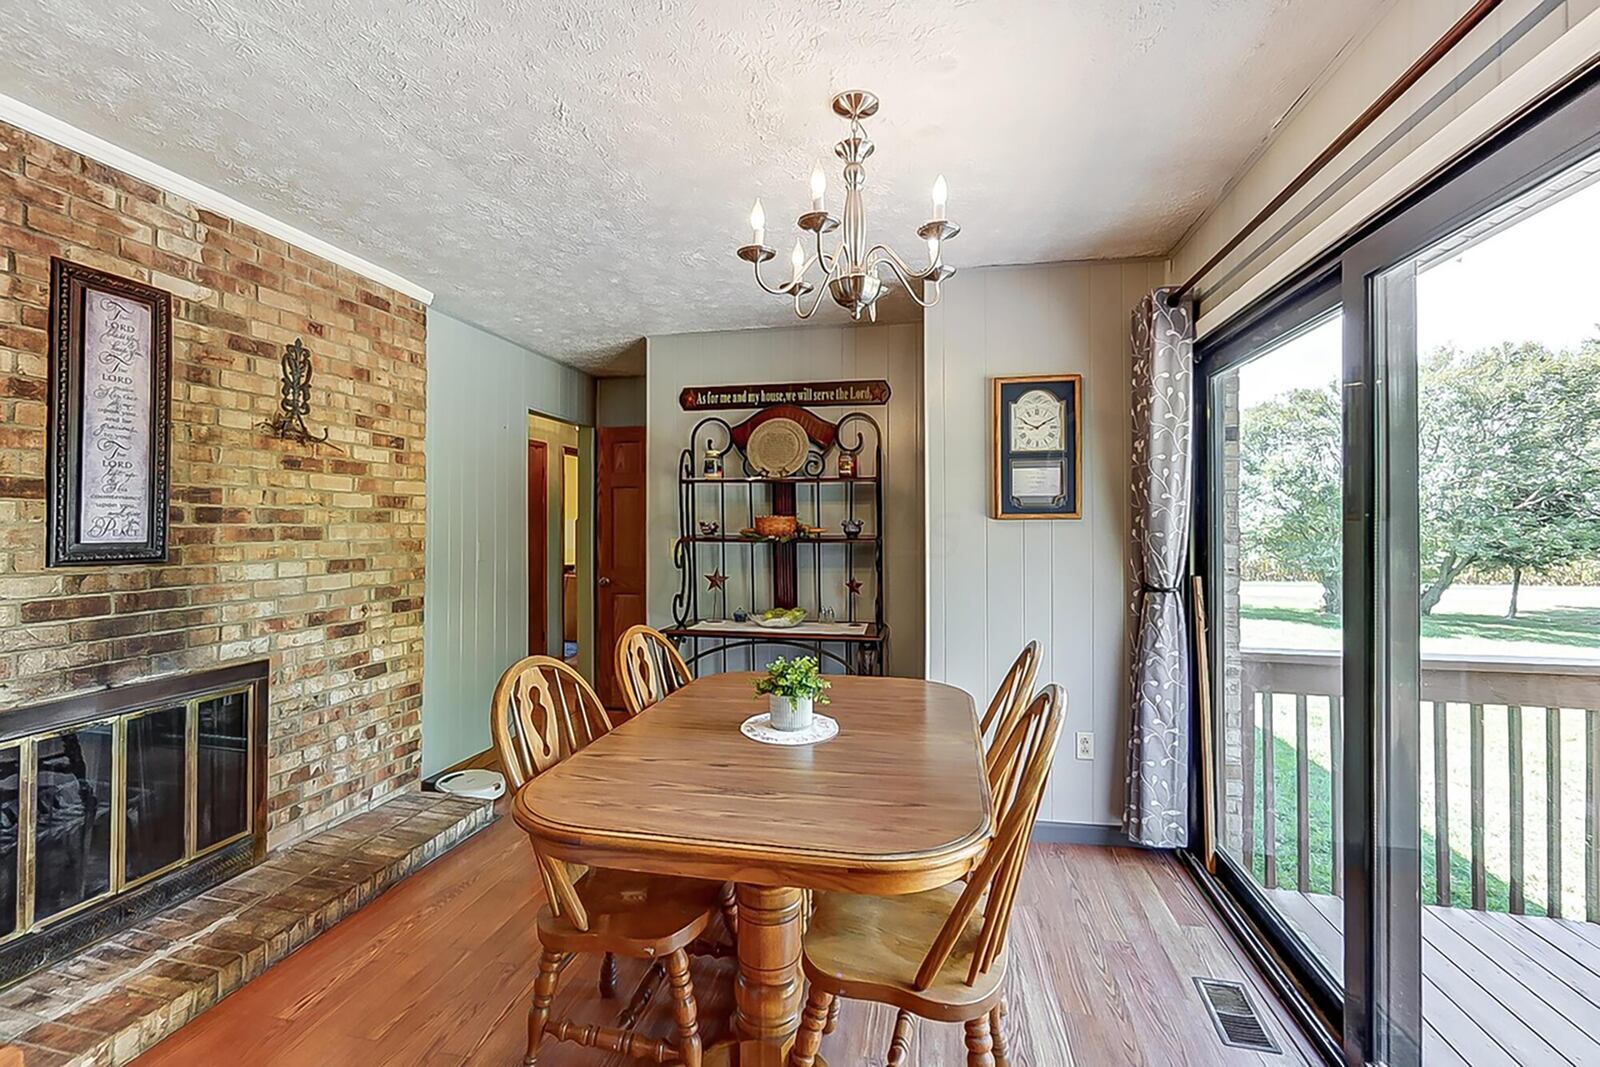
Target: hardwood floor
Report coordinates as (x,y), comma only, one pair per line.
(440,969)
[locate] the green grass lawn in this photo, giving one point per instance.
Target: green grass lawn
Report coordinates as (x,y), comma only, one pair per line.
(1573,627)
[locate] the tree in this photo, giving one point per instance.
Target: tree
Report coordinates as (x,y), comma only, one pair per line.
(1509,450)
(1290,465)
(1509,470)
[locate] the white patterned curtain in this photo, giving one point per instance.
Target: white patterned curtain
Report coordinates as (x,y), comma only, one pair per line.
(1157,812)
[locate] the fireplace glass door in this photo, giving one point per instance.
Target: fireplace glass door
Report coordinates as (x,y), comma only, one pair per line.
(72,803)
(156,818)
(10,827)
(223,769)
(94,809)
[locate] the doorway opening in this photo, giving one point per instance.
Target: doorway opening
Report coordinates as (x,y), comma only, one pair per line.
(569,554)
(561,541)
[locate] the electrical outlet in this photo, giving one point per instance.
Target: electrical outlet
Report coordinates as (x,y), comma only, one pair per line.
(1085,745)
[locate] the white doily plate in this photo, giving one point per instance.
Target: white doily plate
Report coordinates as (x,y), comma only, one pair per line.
(759,728)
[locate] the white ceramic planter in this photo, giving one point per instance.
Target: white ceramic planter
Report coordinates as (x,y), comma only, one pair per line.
(787,714)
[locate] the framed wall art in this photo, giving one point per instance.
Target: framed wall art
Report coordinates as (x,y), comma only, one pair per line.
(110,375)
(1036,425)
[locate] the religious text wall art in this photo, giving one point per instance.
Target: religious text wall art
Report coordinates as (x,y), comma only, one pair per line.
(110,372)
(817,394)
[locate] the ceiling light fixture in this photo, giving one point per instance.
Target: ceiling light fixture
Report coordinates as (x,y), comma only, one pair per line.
(854,275)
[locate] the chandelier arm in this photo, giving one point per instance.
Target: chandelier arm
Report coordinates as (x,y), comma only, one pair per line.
(823,257)
(822,290)
(894,264)
(767,288)
(883,253)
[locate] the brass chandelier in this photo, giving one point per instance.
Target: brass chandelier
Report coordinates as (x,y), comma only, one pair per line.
(855,275)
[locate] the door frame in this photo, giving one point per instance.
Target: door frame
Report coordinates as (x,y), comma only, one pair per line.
(1317,999)
(538,548)
(577,554)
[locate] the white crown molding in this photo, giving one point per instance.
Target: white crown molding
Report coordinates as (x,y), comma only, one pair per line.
(68,136)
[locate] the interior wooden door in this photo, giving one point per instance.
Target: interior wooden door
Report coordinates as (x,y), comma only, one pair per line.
(619,548)
(538,548)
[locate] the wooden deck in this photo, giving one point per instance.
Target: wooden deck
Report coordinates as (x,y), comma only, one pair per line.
(1498,989)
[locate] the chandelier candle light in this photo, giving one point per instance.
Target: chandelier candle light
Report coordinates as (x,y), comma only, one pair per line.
(854,275)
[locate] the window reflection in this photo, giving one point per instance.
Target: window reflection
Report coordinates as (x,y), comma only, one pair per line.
(223,769)
(72,838)
(10,795)
(156,790)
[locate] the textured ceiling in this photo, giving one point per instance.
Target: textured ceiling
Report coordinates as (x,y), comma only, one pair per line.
(574,174)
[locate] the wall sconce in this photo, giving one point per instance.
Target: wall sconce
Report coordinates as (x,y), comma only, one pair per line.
(295,404)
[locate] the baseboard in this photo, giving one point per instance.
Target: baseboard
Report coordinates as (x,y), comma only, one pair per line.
(487,760)
(1081,833)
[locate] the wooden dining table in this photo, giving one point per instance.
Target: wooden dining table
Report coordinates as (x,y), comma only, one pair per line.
(895,803)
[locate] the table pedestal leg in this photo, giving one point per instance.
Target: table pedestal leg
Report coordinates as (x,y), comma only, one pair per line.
(767,993)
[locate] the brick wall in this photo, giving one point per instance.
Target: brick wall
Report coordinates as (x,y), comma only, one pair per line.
(310,557)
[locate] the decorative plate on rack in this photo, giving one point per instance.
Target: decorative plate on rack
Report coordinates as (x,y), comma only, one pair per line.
(778,447)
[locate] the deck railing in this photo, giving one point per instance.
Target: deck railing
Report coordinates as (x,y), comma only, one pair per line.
(1456,692)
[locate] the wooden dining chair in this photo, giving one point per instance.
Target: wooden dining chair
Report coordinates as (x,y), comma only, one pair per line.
(649,668)
(872,948)
(543,712)
(1009,702)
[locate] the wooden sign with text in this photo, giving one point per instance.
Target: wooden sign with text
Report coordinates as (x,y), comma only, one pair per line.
(862,393)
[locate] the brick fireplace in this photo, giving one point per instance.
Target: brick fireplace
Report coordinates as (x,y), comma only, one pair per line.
(309,558)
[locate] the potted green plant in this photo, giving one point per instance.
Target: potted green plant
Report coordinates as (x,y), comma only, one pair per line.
(792,687)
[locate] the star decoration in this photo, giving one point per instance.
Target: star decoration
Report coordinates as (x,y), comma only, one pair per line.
(716,579)
(854,585)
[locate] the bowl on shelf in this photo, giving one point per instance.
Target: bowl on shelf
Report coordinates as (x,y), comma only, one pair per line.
(776,525)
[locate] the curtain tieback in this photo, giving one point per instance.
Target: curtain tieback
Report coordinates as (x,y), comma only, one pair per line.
(1145,587)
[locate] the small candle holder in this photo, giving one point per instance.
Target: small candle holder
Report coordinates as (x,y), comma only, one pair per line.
(755,253)
(943,229)
(818,222)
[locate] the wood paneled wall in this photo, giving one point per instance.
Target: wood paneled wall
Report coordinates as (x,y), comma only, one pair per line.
(481,389)
(992,586)
(812,353)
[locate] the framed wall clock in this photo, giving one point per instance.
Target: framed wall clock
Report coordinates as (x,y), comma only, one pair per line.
(1037,428)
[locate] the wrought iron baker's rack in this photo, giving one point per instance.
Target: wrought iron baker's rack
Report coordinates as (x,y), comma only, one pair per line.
(703,617)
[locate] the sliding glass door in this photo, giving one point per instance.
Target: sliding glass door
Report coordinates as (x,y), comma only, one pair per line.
(1276,510)
(1401,549)
(1488,345)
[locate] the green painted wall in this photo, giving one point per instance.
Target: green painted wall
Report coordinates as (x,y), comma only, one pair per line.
(481,389)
